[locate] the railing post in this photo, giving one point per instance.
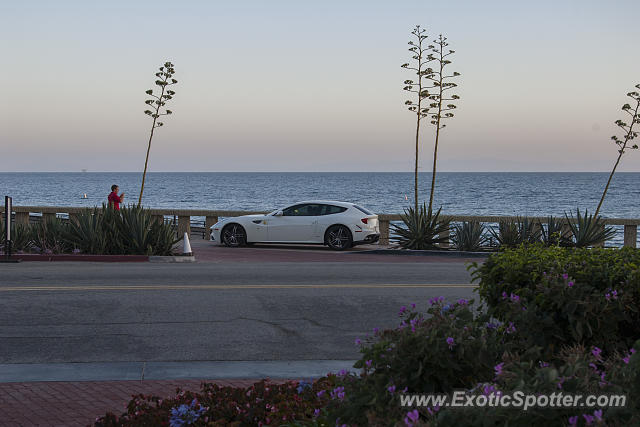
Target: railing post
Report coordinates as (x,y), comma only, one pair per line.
(48,216)
(384,231)
(601,244)
(208,222)
(184,225)
(630,235)
(446,243)
(22,218)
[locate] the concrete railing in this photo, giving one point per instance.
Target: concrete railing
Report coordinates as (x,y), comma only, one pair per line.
(212,216)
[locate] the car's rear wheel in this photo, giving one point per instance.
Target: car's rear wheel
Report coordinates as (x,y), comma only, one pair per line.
(234,235)
(338,237)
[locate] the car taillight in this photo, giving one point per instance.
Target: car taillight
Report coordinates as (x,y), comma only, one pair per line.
(364,220)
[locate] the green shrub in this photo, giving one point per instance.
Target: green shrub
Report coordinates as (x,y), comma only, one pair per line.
(469,236)
(424,229)
(565,295)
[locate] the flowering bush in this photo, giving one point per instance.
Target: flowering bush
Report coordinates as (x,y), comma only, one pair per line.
(444,349)
(566,296)
(578,371)
(261,404)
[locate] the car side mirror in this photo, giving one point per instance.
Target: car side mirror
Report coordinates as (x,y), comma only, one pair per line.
(279,213)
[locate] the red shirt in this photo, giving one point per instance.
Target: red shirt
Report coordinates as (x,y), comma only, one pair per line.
(114,200)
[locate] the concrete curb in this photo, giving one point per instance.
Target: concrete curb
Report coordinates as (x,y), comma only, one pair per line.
(178,258)
(117,371)
(85,258)
(415,252)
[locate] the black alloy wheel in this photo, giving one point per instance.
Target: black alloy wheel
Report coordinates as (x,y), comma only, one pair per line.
(338,237)
(233,236)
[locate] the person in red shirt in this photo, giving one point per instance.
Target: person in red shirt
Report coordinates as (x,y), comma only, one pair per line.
(114,199)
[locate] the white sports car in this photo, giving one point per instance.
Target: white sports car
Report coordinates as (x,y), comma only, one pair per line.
(339,225)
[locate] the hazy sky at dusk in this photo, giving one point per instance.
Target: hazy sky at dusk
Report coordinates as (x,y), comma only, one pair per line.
(312,86)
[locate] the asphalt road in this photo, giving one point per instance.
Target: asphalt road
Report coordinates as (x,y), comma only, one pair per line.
(232,311)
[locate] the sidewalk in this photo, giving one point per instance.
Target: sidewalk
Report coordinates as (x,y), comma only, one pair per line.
(78,403)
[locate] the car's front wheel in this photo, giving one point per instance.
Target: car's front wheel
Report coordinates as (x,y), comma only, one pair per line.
(338,237)
(234,235)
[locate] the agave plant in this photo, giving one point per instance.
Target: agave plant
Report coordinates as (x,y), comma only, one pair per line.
(21,237)
(469,236)
(86,232)
(588,230)
(49,235)
(144,236)
(555,233)
(512,233)
(424,229)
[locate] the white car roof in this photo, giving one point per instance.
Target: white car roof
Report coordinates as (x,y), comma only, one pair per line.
(325,202)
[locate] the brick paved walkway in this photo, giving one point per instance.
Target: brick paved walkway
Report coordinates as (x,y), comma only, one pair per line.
(77,403)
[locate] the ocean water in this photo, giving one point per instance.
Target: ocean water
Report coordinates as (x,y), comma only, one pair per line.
(458,193)
(532,194)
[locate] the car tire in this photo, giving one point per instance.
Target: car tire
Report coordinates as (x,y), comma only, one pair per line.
(338,238)
(234,236)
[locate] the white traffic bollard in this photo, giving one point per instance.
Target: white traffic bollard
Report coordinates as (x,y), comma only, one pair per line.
(187,246)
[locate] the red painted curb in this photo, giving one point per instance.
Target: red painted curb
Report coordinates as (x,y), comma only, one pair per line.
(95,258)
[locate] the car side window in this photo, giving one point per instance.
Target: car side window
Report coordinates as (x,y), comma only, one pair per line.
(302,210)
(331,209)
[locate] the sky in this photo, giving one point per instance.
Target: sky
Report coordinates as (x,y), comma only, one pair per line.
(312,85)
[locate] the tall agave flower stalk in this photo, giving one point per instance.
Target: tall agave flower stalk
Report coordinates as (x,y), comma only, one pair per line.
(624,142)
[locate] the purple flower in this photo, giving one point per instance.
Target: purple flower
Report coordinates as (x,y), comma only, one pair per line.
(570,284)
(412,417)
(320,393)
(368,363)
(588,418)
(342,373)
(514,298)
(565,276)
(391,389)
(358,342)
(316,413)
(450,342)
(573,421)
(487,389)
(543,364)
(376,330)
(338,392)
(626,360)
(596,352)
(402,310)
(598,414)
(413,305)
(498,369)
(491,325)
(560,384)
(435,300)
(463,302)
(632,351)
(511,328)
